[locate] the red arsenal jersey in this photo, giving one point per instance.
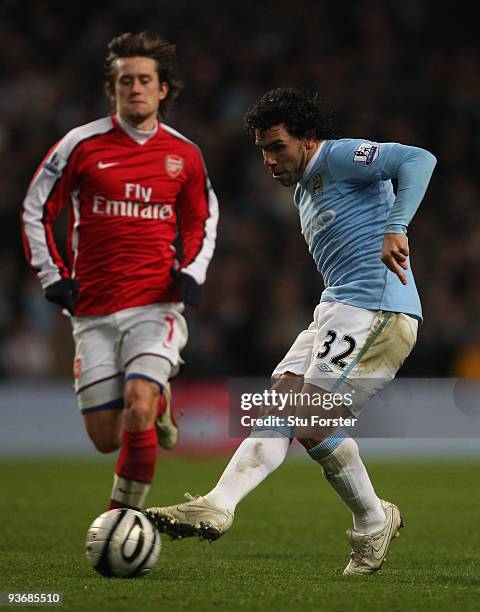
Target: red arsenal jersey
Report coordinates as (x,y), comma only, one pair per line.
(127,203)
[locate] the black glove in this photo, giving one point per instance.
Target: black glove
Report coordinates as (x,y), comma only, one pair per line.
(63,292)
(190,290)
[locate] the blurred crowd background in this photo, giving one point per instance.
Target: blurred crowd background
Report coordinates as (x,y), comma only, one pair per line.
(391,71)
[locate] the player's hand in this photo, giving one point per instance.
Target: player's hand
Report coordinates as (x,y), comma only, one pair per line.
(64,293)
(190,290)
(394,254)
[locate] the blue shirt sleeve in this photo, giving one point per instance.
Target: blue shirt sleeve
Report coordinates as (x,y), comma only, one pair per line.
(413,168)
(363,162)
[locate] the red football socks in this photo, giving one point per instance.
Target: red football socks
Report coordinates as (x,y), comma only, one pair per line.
(134,468)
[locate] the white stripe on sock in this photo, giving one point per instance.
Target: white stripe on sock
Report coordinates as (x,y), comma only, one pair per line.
(129,492)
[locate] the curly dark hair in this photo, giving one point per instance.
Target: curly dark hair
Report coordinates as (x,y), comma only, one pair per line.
(302,114)
(146,45)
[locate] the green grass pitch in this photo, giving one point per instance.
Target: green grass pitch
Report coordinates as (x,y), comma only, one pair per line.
(286,550)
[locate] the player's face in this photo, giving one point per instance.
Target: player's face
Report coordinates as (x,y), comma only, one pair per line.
(284,155)
(138,91)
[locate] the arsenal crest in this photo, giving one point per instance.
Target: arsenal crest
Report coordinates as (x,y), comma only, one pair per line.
(174,165)
(77,368)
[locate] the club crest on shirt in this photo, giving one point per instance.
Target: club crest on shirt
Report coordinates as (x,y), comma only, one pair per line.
(366,153)
(77,368)
(173,165)
(317,185)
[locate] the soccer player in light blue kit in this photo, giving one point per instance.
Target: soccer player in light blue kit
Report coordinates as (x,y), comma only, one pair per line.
(364,327)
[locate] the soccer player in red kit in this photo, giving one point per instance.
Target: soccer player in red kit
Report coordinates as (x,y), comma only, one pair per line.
(132,184)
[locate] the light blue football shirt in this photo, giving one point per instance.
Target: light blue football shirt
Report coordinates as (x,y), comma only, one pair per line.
(346,204)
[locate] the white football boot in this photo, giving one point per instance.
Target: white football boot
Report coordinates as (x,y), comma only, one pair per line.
(196,517)
(165,424)
(369,550)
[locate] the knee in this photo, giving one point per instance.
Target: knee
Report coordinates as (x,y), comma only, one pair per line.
(139,406)
(141,400)
(138,413)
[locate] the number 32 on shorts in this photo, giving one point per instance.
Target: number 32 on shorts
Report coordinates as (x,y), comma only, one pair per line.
(337,359)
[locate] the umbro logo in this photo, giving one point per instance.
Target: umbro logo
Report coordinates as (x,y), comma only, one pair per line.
(102,165)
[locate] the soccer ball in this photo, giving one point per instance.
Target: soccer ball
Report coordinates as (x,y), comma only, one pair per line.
(122,543)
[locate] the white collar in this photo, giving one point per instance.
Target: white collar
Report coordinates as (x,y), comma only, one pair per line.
(139,135)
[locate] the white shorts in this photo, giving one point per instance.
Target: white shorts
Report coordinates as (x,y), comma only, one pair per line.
(143,342)
(348,349)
